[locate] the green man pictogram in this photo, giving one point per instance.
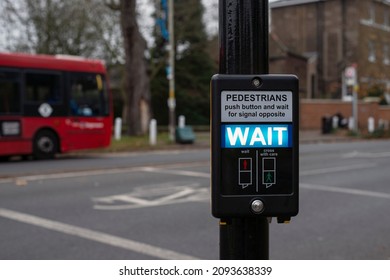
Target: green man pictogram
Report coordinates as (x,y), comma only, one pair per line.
(268,178)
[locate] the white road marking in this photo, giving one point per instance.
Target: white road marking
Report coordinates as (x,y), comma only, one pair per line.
(176,172)
(357,154)
(200,197)
(172,197)
(64,175)
(345,190)
(337,169)
(100,237)
(166,169)
(123,198)
(151,196)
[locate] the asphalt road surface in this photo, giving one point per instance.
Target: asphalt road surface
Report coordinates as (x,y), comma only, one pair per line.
(156,205)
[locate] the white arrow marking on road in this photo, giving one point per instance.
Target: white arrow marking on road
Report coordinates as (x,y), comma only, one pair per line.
(147,196)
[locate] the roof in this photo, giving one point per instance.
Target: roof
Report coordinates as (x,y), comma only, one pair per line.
(285,3)
(58,62)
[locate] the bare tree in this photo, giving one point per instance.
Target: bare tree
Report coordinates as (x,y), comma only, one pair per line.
(91,28)
(137,98)
(74,27)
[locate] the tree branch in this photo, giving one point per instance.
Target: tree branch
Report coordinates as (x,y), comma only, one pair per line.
(112,4)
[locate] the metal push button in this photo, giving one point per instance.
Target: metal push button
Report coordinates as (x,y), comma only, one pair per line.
(257,206)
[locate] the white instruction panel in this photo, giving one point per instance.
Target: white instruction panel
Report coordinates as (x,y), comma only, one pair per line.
(256,106)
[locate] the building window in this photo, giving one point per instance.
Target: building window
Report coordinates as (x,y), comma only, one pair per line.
(386,57)
(386,21)
(371,51)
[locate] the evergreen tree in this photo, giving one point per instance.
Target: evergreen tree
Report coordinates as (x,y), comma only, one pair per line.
(194,67)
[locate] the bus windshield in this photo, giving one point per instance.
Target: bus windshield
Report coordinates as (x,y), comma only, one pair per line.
(88,96)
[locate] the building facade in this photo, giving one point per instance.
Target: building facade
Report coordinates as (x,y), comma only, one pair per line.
(335,34)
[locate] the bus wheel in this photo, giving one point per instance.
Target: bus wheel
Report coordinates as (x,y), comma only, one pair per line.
(45,145)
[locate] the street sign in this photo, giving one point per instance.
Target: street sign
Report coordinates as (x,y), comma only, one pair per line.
(255,145)
(350,76)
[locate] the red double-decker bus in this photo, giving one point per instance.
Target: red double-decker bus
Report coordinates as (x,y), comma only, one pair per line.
(52,104)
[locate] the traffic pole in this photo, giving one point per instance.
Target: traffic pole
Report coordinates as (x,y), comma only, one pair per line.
(171,97)
(243,41)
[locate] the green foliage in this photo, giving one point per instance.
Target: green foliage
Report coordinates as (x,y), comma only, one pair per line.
(194,68)
(377,91)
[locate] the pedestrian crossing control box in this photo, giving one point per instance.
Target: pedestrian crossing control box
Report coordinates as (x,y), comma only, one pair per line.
(255,145)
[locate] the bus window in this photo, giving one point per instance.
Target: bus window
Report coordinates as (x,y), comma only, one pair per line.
(88,95)
(9,92)
(42,88)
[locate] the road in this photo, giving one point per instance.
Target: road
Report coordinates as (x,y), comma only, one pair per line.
(155,205)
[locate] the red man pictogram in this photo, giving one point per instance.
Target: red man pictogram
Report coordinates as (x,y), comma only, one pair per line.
(245,172)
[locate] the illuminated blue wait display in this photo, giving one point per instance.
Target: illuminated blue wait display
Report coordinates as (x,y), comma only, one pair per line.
(256,136)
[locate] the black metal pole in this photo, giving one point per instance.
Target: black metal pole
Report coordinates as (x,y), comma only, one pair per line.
(243,40)
(243,36)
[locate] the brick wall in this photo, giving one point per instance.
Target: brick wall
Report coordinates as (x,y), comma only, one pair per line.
(312,111)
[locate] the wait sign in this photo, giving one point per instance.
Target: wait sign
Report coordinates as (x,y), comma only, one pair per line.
(256,136)
(255,145)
